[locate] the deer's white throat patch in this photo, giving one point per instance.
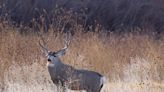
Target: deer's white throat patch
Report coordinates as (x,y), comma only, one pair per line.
(49,64)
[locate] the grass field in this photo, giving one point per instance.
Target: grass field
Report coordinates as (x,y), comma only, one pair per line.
(132,62)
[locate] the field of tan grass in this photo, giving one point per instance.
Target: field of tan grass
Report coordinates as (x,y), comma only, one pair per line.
(132,62)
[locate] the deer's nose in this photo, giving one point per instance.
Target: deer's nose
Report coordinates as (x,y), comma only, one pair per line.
(49,60)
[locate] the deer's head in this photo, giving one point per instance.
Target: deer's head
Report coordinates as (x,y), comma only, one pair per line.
(53,56)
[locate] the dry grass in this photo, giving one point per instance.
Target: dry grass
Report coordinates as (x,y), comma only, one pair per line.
(132,62)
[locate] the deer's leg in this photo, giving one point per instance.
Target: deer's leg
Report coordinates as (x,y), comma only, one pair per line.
(65,89)
(58,88)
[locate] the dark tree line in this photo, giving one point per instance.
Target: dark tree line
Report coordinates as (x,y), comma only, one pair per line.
(112,15)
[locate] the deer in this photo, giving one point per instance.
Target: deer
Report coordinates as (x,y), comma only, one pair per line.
(67,77)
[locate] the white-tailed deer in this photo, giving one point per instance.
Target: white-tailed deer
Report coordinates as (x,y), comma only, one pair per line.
(67,76)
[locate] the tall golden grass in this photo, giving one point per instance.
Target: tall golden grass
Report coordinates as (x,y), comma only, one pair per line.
(132,62)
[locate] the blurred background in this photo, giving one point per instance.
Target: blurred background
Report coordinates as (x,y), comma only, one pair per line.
(121,39)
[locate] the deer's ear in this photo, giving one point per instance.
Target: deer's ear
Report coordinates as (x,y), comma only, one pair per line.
(60,53)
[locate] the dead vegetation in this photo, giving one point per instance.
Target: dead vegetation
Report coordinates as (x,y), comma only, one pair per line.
(131,61)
